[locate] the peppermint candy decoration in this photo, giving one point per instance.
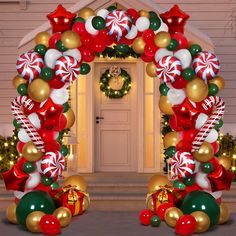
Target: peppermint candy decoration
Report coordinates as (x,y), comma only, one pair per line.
(67,69)
(29,65)
(118,24)
(168,69)
(182,164)
(52,164)
(206,65)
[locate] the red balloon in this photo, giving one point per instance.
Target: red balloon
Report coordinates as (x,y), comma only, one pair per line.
(189,134)
(86,39)
(145,217)
(184,145)
(50,225)
(98,45)
(148,36)
(52,146)
(20,162)
(62,122)
(79,28)
(34,109)
(56,83)
(19,146)
(87,54)
(179,83)
(133,14)
(150,49)
(182,40)
(54,39)
(215,162)
(48,135)
(161,210)
(173,124)
(146,58)
(215,146)
(42,187)
(185,225)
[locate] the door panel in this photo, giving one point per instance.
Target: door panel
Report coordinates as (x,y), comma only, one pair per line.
(115,134)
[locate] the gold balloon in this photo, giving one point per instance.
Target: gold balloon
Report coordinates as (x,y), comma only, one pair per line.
(30,152)
(224,213)
(151,69)
(11,213)
(138,45)
(150,203)
(70,39)
(197,90)
(219,81)
(63,214)
(225,161)
(32,221)
(17,80)
(76,180)
(162,39)
(38,90)
(86,12)
(172,215)
(86,203)
(165,105)
(171,139)
(144,13)
(156,181)
(70,118)
(203,221)
(43,38)
(205,153)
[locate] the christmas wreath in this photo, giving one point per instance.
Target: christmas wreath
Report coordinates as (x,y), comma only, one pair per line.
(116,74)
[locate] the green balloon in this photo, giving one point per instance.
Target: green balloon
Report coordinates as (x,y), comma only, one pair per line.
(16,124)
(219,124)
(179,185)
(22,89)
(98,23)
(123,48)
(155,23)
(46,181)
(188,74)
(40,49)
(207,167)
(34,201)
(66,107)
(163,88)
(201,201)
(84,68)
(155,221)
(111,8)
(213,89)
(189,181)
(64,150)
(153,14)
(54,185)
(195,49)
(170,151)
(79,19)
(46,73)
(60,135)
(173,45)
(28,167)
(60,46)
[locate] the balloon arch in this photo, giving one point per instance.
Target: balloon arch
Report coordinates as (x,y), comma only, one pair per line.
(193,112)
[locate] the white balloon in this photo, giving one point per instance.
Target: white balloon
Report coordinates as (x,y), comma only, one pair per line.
(59,96)
(19,194)
(103,13)
(74,53)
(132,33)
(202,180)
(162,52)
(197,166)
(212,136)
(33,180)
(176,96)
(89,27)
(201,120)
(34,119)
(164,27)
(142,23)
(38,166)
(51,57)
(184,56)
(23,136)
(216,194)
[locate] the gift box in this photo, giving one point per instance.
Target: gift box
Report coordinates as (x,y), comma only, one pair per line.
(72,198)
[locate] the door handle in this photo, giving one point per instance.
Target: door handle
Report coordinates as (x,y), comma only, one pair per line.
(99,118)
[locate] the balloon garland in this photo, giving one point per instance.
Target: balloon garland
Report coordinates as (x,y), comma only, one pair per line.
(115,93)
(189,101)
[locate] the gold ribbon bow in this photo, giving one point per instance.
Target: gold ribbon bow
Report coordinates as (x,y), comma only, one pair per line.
(163,195)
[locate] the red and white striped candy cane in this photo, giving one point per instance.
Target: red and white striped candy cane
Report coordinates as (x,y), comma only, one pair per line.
(16,108)
(212,101)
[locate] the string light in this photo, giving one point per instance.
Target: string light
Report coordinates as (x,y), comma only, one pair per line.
(11,163)
(0,158)
(6,144)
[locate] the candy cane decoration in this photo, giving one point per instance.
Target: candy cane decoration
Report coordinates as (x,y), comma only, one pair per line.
(16,108)
(212,101)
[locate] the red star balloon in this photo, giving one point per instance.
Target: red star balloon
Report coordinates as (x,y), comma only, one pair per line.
(15,179)
(61,19)
(175,19)
(185,114)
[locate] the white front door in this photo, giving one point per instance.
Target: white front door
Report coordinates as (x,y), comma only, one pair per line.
(115,122)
